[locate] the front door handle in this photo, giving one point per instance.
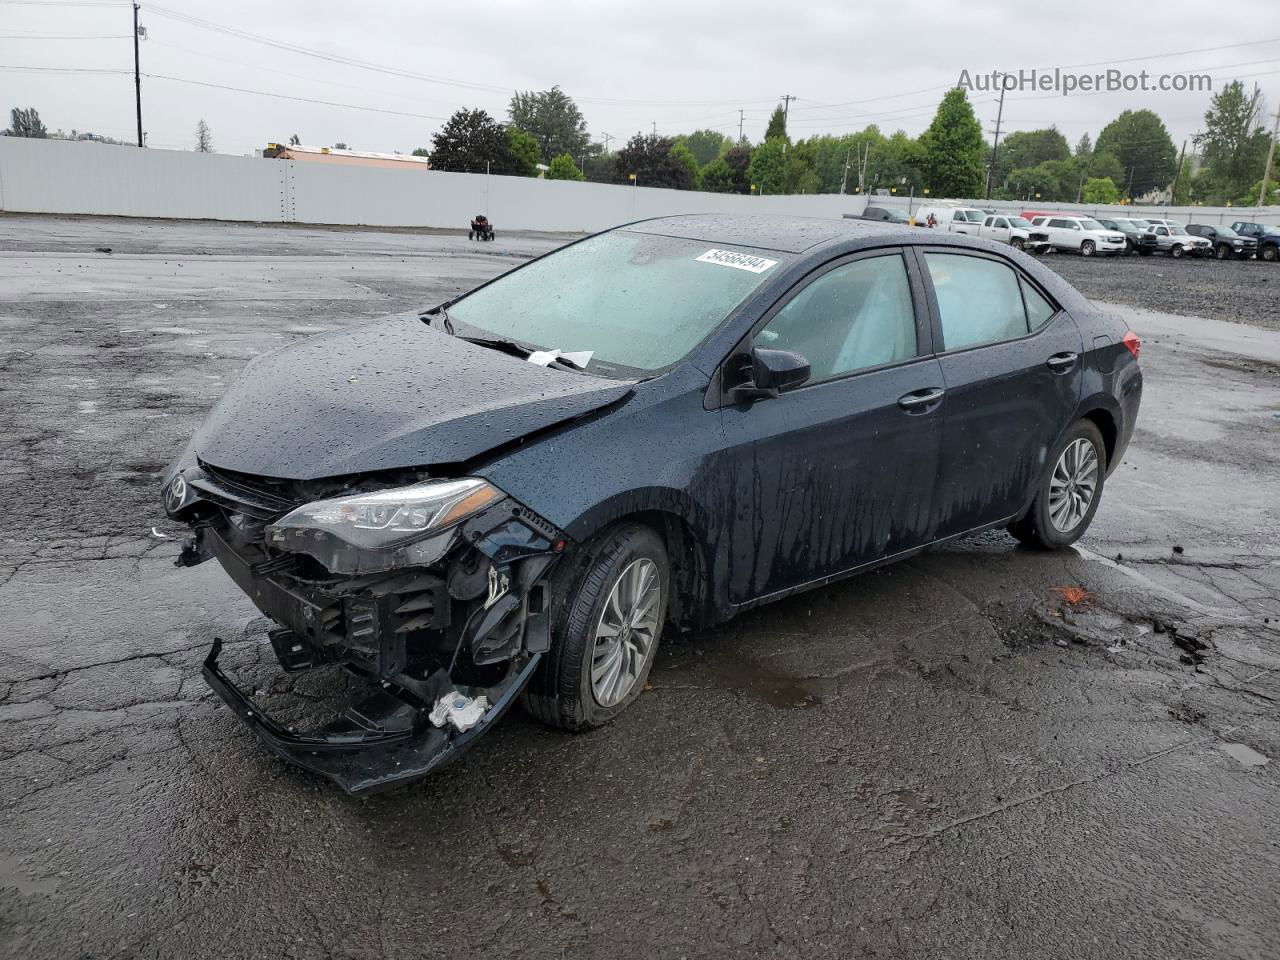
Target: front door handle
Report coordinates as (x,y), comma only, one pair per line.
(1061,362)
(919,399)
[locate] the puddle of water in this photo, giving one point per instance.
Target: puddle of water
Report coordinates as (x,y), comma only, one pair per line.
(1243,754)
(782,690)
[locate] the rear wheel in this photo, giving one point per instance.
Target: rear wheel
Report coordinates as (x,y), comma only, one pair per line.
(1087,248)
(1069,493)
(608,606)
(1270,253)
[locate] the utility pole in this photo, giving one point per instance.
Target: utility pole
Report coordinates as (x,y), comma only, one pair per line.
(655,128)
(607,138)
(844,177)
(739,127)
(786,106)
(137,73)
(1271,153)
(1178,173)
(995,146)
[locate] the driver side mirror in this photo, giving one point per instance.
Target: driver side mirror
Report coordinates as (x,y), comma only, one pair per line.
(767,373)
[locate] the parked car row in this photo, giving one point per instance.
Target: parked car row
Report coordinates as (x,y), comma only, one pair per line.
(1037,231)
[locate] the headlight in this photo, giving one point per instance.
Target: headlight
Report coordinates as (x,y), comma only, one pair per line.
(383,530)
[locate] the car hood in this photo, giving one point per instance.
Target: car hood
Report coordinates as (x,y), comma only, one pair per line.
(389,394)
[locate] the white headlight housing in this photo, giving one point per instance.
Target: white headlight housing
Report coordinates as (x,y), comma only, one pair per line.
(385,529)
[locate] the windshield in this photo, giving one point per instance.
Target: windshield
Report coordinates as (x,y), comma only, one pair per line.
(973,216)
(1176,231)
(1019,222)
(1090,224)
(636,301)
(1226,232)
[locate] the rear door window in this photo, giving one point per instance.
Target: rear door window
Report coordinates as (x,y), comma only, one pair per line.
(858,315)
(979,300)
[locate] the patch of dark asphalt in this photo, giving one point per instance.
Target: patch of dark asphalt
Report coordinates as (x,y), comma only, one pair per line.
(1243,291)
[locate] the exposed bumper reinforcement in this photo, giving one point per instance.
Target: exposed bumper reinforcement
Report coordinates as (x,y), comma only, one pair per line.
(376,746)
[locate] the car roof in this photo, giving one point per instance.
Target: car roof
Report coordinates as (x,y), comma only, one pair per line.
(769,232)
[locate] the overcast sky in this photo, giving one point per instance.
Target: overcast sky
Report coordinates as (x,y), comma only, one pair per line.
(680,65)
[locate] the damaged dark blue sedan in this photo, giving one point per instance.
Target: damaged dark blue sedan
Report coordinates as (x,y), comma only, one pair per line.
(515,493)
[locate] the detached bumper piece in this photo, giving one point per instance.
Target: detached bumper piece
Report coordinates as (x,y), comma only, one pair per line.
(385,741)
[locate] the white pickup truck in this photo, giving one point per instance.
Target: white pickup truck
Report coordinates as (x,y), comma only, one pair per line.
(1015,231)
(1083,235)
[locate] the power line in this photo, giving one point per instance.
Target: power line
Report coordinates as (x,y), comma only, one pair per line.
(53,36)
(283,96)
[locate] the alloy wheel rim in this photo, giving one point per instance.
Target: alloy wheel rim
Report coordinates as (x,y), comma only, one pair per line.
(1073,485)
(626,632)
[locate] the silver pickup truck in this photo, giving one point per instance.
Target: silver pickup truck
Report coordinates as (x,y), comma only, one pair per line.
(1176,242)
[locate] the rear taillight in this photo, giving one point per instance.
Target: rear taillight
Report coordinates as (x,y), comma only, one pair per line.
(1132,343)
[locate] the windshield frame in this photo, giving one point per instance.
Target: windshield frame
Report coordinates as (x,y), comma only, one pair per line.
(1086,221)
(609,370)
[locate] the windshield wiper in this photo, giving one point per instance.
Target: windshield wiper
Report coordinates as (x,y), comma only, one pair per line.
(445,321)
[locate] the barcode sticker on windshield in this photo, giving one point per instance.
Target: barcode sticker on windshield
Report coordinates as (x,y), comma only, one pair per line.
(739,261)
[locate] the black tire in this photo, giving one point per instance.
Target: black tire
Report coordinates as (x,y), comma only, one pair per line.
(1128,247)
(1036,529)
(560,692)
(1176,251)
(1222,252)
(1017,243)
(1270,254)
(1087,248)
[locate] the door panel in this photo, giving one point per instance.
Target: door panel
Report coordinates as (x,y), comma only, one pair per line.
(1006,403)
(838,472)
(831,476)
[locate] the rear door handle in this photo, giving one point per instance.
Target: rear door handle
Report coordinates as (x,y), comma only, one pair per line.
(918,399)
(1061,362)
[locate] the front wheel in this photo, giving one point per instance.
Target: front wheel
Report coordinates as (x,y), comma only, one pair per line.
(1017,243)
(1069,493)
(1176,253)
(1222,253)
(608,606)
(1087,248)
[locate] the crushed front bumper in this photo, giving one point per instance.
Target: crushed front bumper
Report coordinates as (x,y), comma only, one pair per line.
(444,646)
(378,744)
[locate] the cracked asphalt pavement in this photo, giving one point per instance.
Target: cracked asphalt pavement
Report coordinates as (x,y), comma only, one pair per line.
(982,752)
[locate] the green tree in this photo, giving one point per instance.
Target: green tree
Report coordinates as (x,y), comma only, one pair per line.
(777,129)
(684,156)
(1139,140)
(798,171)
(705,145)
(421,152)
(952,148)
(340,145)
(728,173)
(295,141)
(1101,190)
(654,163)
(524,151)
(1029,148)
(204,139)
(1104,164)
(1234,142)
(563,168)
(471,141)
(1084,147)
(26,123)
(894,162)
(553,119)
(768,165)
